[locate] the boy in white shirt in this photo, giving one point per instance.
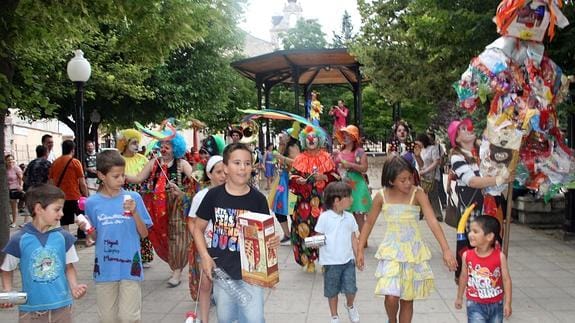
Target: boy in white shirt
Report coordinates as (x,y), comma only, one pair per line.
(337,256)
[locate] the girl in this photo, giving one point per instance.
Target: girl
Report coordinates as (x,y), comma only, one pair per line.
(270,167)
(215,173)
(485,275)
(403,271)
(15,181)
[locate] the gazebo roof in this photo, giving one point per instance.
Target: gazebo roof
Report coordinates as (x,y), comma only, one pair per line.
(317,66)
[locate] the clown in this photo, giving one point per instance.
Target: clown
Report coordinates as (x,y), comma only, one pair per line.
(169,182)
(128,144)
(312,170)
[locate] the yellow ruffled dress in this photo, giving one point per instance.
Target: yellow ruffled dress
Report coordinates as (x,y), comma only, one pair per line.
(403,269)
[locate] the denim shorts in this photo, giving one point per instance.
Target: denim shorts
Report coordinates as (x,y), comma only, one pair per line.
(228,309)
(484,313)
(339,279)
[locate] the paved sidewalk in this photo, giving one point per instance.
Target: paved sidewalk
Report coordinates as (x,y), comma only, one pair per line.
(542,270)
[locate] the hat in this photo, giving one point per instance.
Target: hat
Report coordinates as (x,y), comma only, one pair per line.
(214,145)
(351,130)
(235,130)
(212,162)
(454,126)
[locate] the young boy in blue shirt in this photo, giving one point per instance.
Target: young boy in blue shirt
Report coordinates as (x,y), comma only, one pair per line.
(222,205)
(120,220)
(46,255)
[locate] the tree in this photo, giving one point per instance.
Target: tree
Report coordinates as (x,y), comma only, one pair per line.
(124,40)
(305,34)
(346,35)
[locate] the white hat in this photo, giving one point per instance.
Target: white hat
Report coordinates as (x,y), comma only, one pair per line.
(212,162)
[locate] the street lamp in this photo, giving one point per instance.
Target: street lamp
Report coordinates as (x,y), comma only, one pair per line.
(79,71)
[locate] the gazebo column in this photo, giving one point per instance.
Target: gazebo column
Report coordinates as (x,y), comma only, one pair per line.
(295,80)
(259,86)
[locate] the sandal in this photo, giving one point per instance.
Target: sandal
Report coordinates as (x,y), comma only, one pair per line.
(173,283)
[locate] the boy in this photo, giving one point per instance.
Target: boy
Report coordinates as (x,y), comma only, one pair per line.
(46,255)
(338,254)
(120,220)
(222,205)
(484,274)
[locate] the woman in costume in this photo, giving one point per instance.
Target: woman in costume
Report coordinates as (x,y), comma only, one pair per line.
(315,108)
(469,183)
(279,194)
(311,171)
(169,194)
(351,161)
(128,145)
(402,145)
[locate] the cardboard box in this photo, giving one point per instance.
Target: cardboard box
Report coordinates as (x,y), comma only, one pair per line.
(259,263)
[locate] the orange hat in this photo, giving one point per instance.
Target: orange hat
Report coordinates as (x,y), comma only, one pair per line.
(351,130)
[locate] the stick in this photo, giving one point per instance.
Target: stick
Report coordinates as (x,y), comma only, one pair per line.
(508,219)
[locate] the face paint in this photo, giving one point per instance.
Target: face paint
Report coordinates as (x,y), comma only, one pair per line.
(134,146)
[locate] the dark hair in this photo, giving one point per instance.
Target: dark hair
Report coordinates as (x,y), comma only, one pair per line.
(269,145)
(45,194)
(424,140)
(403,124)
(41,151)
(233,147)
(108,159)
(335,190)
(292,142)
(392,166)
(489,224)
(431,135)
(45,137)
(67,147)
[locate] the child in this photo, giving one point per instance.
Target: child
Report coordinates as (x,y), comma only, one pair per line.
(222,205)
(337,255)
(215,173)
(485,274)
(270,165)
(120,220)
(403,271)
(46,255)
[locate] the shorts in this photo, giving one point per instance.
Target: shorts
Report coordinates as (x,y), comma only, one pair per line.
(62,314)
(339,279)
(16,194)
(70,210)
(484,313)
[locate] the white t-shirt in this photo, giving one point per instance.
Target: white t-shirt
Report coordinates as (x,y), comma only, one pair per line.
(338,230)
(11,263)
(196,201)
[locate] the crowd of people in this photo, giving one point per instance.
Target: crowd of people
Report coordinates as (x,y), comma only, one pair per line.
(183,207)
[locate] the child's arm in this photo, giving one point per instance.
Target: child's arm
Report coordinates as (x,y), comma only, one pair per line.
(448,256)
(7,285)
(462,283)
(355,243)
(367,227)
(78,290)
(130,205)
(207,262)
(506,286)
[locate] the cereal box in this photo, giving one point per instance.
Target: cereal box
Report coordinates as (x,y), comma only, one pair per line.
(259,262)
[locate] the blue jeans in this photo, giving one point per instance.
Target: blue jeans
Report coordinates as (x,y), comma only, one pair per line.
(339,279)
(228,310)
(484,313)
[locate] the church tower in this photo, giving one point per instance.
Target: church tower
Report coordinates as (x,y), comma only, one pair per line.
(292,12)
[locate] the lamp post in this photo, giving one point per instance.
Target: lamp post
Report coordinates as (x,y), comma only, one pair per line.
(95,119)
(79,71)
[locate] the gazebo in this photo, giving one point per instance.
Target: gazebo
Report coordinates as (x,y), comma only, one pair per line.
(302,68)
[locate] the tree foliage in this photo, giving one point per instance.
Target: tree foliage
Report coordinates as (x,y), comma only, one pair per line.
(305,34)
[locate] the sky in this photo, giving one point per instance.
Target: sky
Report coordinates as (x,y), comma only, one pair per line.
(258,15)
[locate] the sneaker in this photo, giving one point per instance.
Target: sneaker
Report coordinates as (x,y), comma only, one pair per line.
(335,319)
(285,241)
(13,225)
(353,314)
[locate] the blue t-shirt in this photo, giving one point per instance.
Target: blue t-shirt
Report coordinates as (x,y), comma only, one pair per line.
(42,266)
(118,242)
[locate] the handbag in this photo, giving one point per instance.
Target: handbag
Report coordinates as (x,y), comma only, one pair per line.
(452,214)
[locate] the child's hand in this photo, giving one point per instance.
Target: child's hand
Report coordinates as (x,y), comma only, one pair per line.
(458,303)
(449,260)
(506,310)
(274,242)
(129,205)
(359,261)
(79,290)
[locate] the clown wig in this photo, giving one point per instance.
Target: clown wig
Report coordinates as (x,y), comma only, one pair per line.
(124,138)
(310,131)
(178,144)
